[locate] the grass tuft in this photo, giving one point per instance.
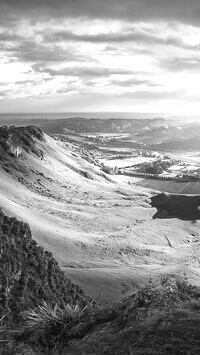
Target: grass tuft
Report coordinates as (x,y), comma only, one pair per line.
(48,323)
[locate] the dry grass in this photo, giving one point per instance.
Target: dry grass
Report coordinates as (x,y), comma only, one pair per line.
(45,316)
(45,327)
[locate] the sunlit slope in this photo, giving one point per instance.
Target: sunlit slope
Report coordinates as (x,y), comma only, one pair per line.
(98,227)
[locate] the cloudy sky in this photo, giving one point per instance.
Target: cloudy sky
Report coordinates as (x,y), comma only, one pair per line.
(100,55)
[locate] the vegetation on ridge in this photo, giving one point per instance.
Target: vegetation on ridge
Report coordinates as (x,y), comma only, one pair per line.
(42,312)
(29,275)
(162,318)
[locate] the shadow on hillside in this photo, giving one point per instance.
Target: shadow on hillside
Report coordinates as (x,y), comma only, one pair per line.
(183,207)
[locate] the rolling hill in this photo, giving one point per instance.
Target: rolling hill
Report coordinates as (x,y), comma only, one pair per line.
(104,238)
(99,228)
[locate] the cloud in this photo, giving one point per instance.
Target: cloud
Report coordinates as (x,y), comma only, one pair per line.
(9,37)
(134,82)
(31,51)
(181,10)
(87,72)
(105,48)
(178,64)
(153,95)
(4,93)
(132,35)
(24,82)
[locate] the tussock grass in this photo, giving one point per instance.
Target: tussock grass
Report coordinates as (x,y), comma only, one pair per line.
(46,326)
(45,316)
(160,318)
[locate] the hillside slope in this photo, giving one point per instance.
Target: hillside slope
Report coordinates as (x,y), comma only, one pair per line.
(42,312)
(159,319)
(99,228)
(28,273)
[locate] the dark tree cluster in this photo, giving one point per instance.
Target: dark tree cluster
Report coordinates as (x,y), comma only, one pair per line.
(156,167)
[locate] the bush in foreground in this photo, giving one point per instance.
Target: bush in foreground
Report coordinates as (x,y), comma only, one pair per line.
(161,318)
(45,325)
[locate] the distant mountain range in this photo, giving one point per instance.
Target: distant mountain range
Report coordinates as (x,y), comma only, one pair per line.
(153,133)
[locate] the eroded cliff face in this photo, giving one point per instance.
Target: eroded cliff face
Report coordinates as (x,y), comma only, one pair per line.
(176,206)
(20,138)
(28,273)
(15,144)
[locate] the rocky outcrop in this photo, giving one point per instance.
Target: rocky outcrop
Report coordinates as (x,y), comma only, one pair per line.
(15,140)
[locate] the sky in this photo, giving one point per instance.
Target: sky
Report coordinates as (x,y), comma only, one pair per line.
(100,55)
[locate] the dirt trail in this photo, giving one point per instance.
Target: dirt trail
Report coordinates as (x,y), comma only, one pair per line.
(185,188)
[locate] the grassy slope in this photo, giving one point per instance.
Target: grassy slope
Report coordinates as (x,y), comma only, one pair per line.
(28,273)
(101,232)
(29,276)
(162,318)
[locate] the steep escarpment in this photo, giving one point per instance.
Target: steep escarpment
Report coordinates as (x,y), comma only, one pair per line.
(15,143)
(28,273)
(13,140)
